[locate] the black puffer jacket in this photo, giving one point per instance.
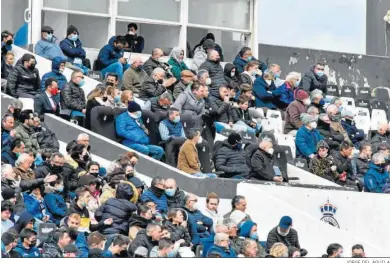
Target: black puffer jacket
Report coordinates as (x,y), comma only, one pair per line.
(120,209)
(150,65)
(291,240)
(137,220)
(9,184)
(23,80)
(231,161)
(142,240)
(216,74)
(240,115)
(150,88)
(47,139)
(262,166)
(362,166)
(233,81)
(73,97)
(222,110)
(176,201)
(344,165)
(311,81)
(332,137)
(178,232)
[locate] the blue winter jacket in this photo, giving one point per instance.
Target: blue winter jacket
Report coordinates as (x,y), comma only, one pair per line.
(198,231)
(127,128)
(6,139)
(306,141)
(82,245)
(354,134)
(32,205)
(161,203)
(27,252)
(375,179)
(262,97)
(56,205)
(241,63)
(221,251)
(72,49)
(48,49)
(55,73)
(108,54)
(283,96)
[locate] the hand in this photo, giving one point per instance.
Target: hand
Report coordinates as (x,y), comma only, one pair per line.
(333,168)
(199,222)
(108,221)
(311,156)
(83,111)
(184,224)
(226,99)
(45,218)
(253,97)
(278,179)
(254,124)
(50,178)
(180,241)
(122,60)
(231,124)
(12,133)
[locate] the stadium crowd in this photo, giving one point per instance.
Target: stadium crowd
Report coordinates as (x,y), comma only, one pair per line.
(108,211)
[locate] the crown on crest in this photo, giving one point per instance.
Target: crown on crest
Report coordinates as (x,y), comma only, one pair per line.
(328,209)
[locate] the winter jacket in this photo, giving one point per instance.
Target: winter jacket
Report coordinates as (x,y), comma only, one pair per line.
(150,65)
(311,81)
(127,128)
(375,179)
(262,164)
(142,240)
(178,232)
(133,79)
(73,97)
(188,160)
(150,88)
(336,125)
(284,95)
(246,78)
(29,137)
(232,81)
(378,139)
(293,116)
(222,110)
(222,252)
(332,138)
(187,103)
(47,138)
(243,234)
(6,139)
(263,94)
(344,165)
(355,135)
(179,89)
(8,157)
(231,161)
(322,168)
(109,54)
(177,67)
(51,249)
(154,106)
(198,231)
(160,201)
(55,73)
(200,56)
(241,63)
(291,240)
(177,200)
(22,80)
(25,175)
(56,205)
(48,49)
(306,141)
(33,205)
(241,115)
(72,49)
(23,252)
(5,69)
(216,74)
(138,221)
(362,166)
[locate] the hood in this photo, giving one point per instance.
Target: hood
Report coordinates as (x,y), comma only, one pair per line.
(245,229)
(86,180)
(228,68)
(111,41)
(137,220)
(124,191)
(24,218)
(136,182)
(375,167)
(71,162)
(55,64)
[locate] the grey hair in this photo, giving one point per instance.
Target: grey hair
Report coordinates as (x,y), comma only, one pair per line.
(316,93)
(201,73)
(293,75)
(136,58)
(322,115)
(56,154)
(311,109)
(16,104)
(378,158)
(82,135)
(264,143)
(4,168)
(331,107)
(166,95)
(247,242)
(157,71)
(22,158)
(220,237)
(175,53)
(268,74)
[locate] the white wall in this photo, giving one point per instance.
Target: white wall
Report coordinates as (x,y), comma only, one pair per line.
(12,14)
(332,25)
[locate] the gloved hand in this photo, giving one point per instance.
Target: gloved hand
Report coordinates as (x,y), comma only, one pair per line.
(38,160)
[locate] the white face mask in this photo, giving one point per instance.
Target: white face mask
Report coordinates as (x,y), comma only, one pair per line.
(268,82)
(200,140)
(313,125)
(307,102)
(283,233)
(195,206)
(270,151)
(232,74)
(208,81)
(161,59)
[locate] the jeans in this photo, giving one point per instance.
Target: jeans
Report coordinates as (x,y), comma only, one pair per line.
(117,68)
(172,150)
(76,113)
(248,128)
(155,152)
(83,68)
(219,126)
(209,175)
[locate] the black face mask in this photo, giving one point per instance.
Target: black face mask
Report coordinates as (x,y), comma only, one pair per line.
(110,84)
(105,99)
(94,174)
(33,243)
(160,81)
(16,113)
(32,67)
(382,165)
(86,158)
(9,42)
(56,169)
(130,175)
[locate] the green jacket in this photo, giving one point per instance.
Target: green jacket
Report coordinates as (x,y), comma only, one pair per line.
(177,67)
(29,137)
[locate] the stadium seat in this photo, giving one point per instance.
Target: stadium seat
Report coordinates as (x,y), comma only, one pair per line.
(227,132)
(188,122)
(28,104)
(363,93)
(348,91)
(151,121)
(333,90)
(382,94)
(274,124)
(248,137)
(287,140)
(379,105)
(282,155)
(96,75)
(362,118)
(361,103)
(301,163)
(348,103)
(377,117)
(274,114)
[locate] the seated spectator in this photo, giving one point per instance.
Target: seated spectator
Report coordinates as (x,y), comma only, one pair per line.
(187,78)
(26,133)
(7,131)
(113,97)
(79,204)
(263,164)
(275,68)
(96,243)
(355,135)
(177,227)
(203,77)
(221,247)
(78,158)
(155,85)
(135,43)
(6,68)
(323,164)
(342,160)
(284,95)
(231,76)
(134,76)
(313,111)
(215,70)
(8,243)
(191,101)
(332,138)
(317,100)
(307,137)
(147,238)
(156,193)
(211,209)
(55,203)
(57,70)
(249,249)
(7,208)
(24,81)
(14,109)
(159,104)
(165,249)
(112,80)
(6,42)
(73,97)
(294,111)
(361,163)
(245,56)
(335,120)
(201,53)
(46,101)
(157,61)
(381,137)
(249,230)
(129,126)
(35,204)
(114,215)
(278,250)
(72,47)
(242,116)
(140,220)
(223,112)
(231,158)
(338,102)
(334,251)
(376,180)
(47,46)
(95,98)
(54,246)
(126,97)
(188,160)
(358,251)
(14,150)
(262,90)
(111,58)
(250,73)
(238,204)
(177,63)
(130,158)
(26,248)
(118,247)
(175,196)
(315,79)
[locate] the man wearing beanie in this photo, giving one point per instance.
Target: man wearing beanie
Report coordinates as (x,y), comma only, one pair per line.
(130,127)
(231,158)
(322,164)
(47,46)
(294,111)
(200,53)
(307,137)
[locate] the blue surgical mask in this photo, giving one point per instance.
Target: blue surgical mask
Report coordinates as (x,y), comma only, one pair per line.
(171,254)
(60,189)
(277,75)
(249,58)
(297,83)
(321,102)
(320,73)
(238,146)
(176,119)
(170,192)
(74,37)
(254,236)
(137,114)
(117,99)
(49,37)
(82,82)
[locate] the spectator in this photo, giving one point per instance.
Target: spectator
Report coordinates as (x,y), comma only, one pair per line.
(176,62)
(342,160)
(113,97)
(26,133)
(334,251)
(71,251)
(231,76)
(381,137)
(73,97)
(175,196)
(361,163)
(8,243)
(211,209)
(249,249)
(79,204)
(188,160)
(7,208)
(47,46)
(222,109)
(95,98)
(156,193)
(279,250)
(115,214)
(249,230)
(187,78)
(73,49)
(26,220)
(313,111)
(55,203)
(14,109)
(126,97)
(238,204)
(46,101)
(7,131)
(317,100)
(146,238)
(54,247)
(78,158)
(140,220)
(215,70)
(358,251)
(243,117)
(377,176)
(221,247)
(35,204)
(354,134)
(294,111)
(14,150)
(129,126)
(338,102)
(332,138)
(155,85)
(191,101)
(284,94)
(275,68)
(135,75)
(111,58)
(307,137)
(96,242)
(335,120)
(135,43)
(283,233)
(177,226)
(322,164)
(57,70)
(24,81)
(262,90)
(262,163)
(26,248)
(6,68)
(165,249)
(126,159)
(250,73)
(315,79)
(204,77)
(231,158)
(202,52)
(245,56)
(159,104)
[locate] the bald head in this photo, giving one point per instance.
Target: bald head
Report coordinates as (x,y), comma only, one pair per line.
(221,229)
(137,62)
(157,53)
(213,55)
(383,127)
(170,183)
(265,145)
(332,110)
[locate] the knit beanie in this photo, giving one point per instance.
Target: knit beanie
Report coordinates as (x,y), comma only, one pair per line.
(8,193)
(71,29)
(307,118)
(302,95)
(245,229)
(237,216)
(234,138)
(7,238)
(208,43)
(133,107)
